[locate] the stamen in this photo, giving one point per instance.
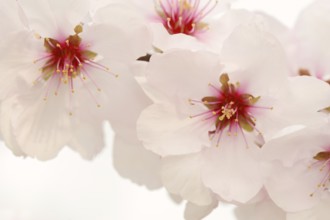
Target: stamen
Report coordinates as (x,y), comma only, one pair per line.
(229,111)
(322,161)
(65,60)
(184,16)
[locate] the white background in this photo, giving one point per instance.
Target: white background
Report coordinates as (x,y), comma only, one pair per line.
(69,188)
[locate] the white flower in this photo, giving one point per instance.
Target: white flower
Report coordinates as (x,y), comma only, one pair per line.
(309,49)
(300,171)
(189,24)
(210,118)
(59,76)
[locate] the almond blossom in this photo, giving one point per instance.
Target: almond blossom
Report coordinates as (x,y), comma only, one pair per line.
(211,116)
(61,76)
(300,170)
(192,24)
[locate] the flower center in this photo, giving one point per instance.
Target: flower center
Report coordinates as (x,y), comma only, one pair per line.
(67,60)
(230,110)
(323,164)
(184,16)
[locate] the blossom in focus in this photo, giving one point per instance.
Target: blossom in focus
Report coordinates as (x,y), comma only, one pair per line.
(212,115)
(300,168)
(61,76)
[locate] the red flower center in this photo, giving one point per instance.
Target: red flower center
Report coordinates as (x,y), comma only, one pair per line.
(184,16)
(67,60)
(229,110)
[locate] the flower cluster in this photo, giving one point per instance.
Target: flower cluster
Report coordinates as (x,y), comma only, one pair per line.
(217,105)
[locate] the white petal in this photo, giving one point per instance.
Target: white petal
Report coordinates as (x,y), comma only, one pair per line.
(182,175)
(122,36)
(87,136)
(311,31)
(290,187)
(51,18)
(133,161)
(309,94)
(300,145)
(6,126)
(195,212)
(10,21)
(118,43)
(164,133)
(41,128)
(259,57)
(20,50)
(183,74)
(232,173)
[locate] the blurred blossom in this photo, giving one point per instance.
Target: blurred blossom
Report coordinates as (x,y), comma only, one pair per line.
(309,46)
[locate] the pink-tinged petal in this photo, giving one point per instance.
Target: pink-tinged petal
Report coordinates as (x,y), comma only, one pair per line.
(308,94)
(119,13)
(165,41)
(182,175)
(125,44)
(49,17)
(254,51)
(291,187)
(195,212)
(297,107)
(182,74)
(311,41)
(164,133)
(221,28)
(296,180)
(232,172)
(299,145)
(41,129)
